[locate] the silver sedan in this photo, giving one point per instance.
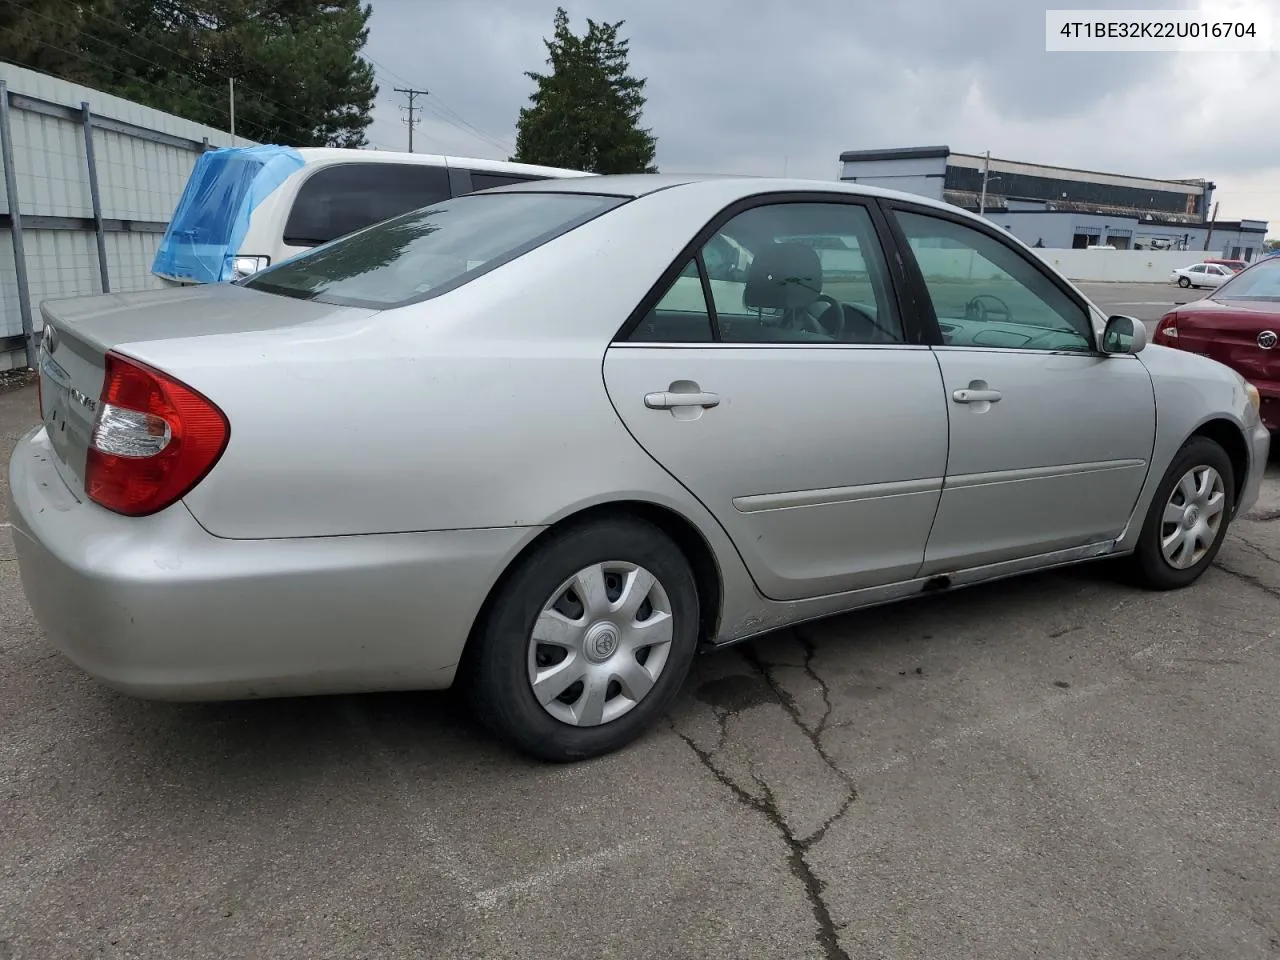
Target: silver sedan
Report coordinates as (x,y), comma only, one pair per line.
(545,441)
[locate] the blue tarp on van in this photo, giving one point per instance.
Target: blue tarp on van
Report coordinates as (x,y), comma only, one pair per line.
(213,213)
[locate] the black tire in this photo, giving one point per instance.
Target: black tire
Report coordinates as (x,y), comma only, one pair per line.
(1147,566)
(1184,282)
(497,678)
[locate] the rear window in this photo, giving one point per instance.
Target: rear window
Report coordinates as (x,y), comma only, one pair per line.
(1259,282)
(430,251)
(341,199)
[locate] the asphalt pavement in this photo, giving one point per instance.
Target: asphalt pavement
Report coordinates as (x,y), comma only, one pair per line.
(1146,301)
(1057,766)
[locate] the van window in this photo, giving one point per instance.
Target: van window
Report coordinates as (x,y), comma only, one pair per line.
(429,251)
(346,197)
(483,179)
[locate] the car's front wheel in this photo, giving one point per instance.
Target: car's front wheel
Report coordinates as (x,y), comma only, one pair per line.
(1187,519)
(589,639)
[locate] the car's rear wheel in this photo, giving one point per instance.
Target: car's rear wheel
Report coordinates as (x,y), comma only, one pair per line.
(589,639)
(1187,519)
(1184,282)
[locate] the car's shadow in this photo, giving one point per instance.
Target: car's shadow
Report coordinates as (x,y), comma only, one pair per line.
(296,735)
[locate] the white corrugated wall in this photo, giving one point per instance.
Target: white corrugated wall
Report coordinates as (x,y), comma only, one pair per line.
(139,181)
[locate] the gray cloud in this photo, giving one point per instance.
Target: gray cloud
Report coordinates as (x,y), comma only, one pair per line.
(792,85)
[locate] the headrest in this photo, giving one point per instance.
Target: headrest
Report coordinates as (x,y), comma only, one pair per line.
(784,276)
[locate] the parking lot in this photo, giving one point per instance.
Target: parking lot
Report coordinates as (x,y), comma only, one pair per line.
(1056,766)
(1146,301)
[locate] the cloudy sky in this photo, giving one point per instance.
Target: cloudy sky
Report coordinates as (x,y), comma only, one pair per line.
(771,88)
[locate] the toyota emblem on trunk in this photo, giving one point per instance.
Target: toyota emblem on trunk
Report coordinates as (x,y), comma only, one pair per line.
(1267,339)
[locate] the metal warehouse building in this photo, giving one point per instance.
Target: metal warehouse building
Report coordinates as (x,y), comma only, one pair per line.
(1061,207)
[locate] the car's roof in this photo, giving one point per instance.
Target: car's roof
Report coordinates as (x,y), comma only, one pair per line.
(640,184)
(327,155)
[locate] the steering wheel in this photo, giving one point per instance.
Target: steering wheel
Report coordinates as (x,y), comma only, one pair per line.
(979,309)
(799,318)
(834,311)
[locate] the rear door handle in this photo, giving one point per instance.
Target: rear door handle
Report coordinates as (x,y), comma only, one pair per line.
(667,400)
(969,395)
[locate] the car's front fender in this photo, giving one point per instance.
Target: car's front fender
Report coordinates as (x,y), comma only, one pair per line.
(1192,393)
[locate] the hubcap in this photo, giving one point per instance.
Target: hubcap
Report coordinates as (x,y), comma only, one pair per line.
(600,643)
(1192,517)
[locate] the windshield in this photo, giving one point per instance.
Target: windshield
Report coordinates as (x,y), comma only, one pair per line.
(431,250)
(1261,282)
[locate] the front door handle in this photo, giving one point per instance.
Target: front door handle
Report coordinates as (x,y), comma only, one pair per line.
(970,395)
(669,400)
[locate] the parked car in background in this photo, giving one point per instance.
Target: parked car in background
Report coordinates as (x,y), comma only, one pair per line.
(519,440)
(1202,275)
(1238,325)
(1235,265)
(245,208)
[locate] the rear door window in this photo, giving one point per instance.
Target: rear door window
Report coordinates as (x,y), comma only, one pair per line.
(343,198)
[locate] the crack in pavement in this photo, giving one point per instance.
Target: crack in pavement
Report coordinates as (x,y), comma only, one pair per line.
(766,804)
(812,734)
(1249,578)
(1246,542)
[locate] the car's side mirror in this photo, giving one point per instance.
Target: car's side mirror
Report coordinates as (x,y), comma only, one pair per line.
(1124,335)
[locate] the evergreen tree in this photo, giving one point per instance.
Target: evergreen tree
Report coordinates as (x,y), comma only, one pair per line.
(299,77)
(585,112)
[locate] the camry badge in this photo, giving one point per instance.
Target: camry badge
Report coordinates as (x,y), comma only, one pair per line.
(1267,339)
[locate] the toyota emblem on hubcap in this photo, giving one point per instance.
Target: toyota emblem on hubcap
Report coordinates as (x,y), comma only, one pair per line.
(1267,339)
(602,642)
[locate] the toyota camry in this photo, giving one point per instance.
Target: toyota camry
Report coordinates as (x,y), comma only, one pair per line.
(547,441)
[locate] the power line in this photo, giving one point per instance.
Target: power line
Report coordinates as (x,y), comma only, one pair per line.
(80,55)
(412,94)
(389,72)
(442,109)
(455,120)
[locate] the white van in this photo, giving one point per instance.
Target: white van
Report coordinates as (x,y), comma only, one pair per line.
(244,208)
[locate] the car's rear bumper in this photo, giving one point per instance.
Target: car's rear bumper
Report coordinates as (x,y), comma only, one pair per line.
(157,607)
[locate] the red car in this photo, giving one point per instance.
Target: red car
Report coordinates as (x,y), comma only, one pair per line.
(1237,324)
(1236,265)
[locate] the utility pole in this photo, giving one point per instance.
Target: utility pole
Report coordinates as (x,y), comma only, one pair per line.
(986,172)
(1212,220)
(231,93)
(412,95)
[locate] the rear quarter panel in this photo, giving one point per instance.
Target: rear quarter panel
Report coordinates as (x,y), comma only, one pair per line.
(484,407)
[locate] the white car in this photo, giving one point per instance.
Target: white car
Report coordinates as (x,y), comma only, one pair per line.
(1202,275)
(246,208)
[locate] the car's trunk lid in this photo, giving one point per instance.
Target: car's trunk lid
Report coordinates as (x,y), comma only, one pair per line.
(79,332)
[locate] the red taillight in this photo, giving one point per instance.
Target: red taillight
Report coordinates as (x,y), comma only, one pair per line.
(153,440)
(1167,330)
